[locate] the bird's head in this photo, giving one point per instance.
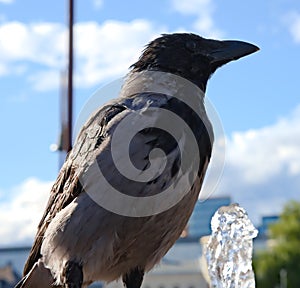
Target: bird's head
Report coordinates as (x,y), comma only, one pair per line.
(190,56)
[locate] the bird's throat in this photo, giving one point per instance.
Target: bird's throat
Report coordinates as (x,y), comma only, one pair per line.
(163,83)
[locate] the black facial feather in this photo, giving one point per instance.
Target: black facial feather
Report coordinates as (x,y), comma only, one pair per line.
(180,54)
(190,56)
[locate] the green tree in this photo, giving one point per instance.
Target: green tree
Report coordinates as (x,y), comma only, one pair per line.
(284,257)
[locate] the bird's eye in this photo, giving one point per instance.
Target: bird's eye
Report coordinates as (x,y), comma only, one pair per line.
(191,45)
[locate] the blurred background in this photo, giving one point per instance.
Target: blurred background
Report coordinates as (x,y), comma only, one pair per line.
(257,99)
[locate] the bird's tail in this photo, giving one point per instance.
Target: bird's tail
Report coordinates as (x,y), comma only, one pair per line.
(38,277)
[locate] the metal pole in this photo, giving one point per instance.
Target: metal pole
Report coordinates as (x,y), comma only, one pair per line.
(70,76)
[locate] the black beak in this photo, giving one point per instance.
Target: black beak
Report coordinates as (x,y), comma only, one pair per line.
(231,50)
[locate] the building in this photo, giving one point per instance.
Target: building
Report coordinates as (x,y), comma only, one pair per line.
(263,241)
(266,221)
(199,223)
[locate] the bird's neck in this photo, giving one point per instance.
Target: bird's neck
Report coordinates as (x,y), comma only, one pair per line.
(163,83)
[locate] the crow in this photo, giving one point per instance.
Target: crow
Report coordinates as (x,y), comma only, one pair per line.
(118,205)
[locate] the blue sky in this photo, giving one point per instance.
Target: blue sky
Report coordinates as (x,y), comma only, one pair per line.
(257,97)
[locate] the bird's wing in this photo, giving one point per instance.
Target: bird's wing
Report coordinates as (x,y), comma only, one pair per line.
(67,185)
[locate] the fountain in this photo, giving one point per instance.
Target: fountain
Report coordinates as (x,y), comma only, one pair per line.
(229,249)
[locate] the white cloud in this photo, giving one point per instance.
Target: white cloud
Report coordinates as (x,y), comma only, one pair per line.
(102,51)
(266,152)
(21,209)
(7,1)
(262,168)
(292,20)
(98,3)
(203,10)
(45,80)
(42,43)
(3,69)
(106,51)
